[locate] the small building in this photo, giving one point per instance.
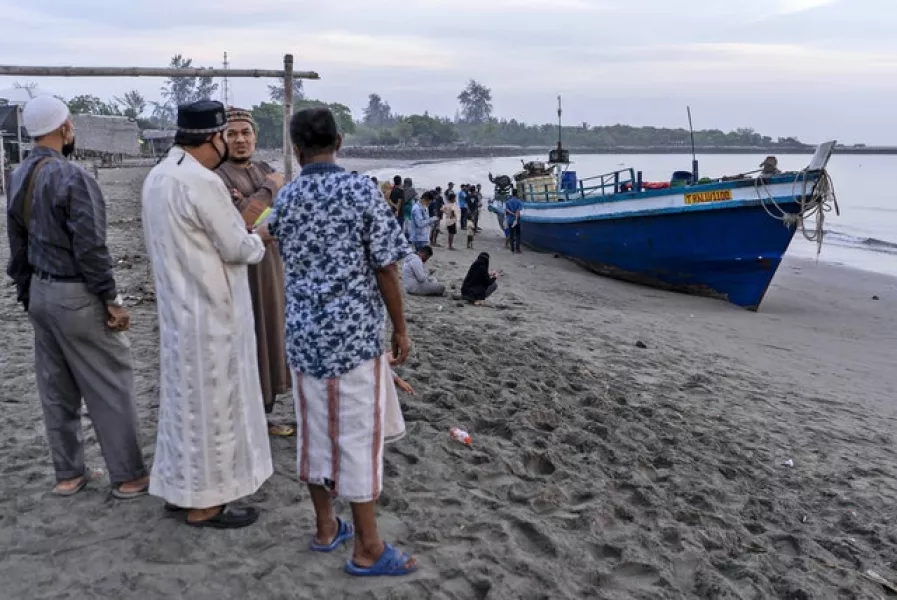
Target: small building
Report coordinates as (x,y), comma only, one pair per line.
(12,149)
(108,137)
(157,141)
(11,132)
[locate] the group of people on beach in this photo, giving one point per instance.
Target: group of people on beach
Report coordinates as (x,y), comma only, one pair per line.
(420,217)
(262,287)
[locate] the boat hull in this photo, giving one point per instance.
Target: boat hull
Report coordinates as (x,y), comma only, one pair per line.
(731,253)
(724,238)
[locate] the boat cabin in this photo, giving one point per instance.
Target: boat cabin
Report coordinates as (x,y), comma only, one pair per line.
(538,182)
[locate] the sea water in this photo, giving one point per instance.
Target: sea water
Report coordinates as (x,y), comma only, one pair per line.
(864,236)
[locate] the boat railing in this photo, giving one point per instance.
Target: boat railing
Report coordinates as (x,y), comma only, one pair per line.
(615,181)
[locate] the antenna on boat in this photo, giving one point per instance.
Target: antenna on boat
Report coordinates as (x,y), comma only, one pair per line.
(559,155)
(560,129)
(694,159)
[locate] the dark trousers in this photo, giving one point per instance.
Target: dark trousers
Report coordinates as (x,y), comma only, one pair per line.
(434,233)
(465,214)
(515,238)
(486,293)
(76,356)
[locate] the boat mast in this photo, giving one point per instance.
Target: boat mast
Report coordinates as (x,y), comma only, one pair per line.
(560,129)
(694,158)
(559,158)
(558,172)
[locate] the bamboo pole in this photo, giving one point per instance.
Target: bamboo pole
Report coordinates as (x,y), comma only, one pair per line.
(2,163)
(287,115)
(147,72)
(19,132)
(287,74)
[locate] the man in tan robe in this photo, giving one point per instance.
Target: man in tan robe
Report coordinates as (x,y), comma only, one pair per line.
(253,186)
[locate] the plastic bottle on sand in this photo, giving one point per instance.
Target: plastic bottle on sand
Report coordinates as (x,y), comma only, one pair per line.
(459,435)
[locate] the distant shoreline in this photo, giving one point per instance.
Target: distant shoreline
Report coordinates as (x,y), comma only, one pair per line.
(458,152)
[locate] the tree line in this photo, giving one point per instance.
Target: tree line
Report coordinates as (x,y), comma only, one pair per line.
(473,124)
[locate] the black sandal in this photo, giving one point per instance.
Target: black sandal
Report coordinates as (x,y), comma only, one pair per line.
(229,518)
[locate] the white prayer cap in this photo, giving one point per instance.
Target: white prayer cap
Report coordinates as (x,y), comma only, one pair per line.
(44,114)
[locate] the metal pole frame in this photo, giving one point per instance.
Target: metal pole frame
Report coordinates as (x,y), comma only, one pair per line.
(287,75)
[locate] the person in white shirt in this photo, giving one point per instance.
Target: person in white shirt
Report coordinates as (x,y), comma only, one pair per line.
(421,221)
(212,443)
(416,279)
(452,214)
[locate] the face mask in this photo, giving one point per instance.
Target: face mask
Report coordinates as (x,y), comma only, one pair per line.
(221,156)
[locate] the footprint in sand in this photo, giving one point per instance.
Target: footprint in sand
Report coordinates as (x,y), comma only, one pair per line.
(787,546)
(531,540)
(606,552)
(538,465)
(500,428)
(639,575)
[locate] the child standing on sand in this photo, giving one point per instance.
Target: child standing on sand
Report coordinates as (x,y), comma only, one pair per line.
(471,231)
(452,214)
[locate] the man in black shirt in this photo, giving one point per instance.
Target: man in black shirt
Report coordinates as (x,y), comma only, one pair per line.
(397,198)
(473,205)
(436,212)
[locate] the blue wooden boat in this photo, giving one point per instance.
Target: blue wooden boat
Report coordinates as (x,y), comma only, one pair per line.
(723,238)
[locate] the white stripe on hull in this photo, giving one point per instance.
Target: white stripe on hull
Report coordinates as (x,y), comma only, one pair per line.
(782,192)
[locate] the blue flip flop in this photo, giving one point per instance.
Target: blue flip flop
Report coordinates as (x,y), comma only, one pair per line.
(344,533)
(390,564)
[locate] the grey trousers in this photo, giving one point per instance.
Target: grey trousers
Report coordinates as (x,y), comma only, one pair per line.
(76,356)
(430,288)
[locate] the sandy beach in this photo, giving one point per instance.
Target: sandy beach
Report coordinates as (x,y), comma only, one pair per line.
(627,443)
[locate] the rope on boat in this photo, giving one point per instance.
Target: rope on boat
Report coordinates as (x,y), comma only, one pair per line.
(815,204)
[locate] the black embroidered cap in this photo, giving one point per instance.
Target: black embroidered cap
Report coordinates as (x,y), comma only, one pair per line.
(202,116)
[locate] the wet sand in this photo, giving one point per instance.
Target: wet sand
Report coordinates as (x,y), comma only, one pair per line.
(627,443)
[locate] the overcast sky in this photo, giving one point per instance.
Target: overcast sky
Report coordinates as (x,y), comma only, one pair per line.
(817,69)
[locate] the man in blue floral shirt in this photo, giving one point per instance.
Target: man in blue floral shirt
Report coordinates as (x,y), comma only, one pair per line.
(340,245)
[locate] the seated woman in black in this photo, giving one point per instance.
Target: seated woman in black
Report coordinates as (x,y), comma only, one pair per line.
(480,282)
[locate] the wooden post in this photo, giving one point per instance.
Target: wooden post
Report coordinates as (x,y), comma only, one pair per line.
(19,133)
(287,115)
(2,164)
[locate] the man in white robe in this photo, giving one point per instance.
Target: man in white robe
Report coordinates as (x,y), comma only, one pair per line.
(212,446)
